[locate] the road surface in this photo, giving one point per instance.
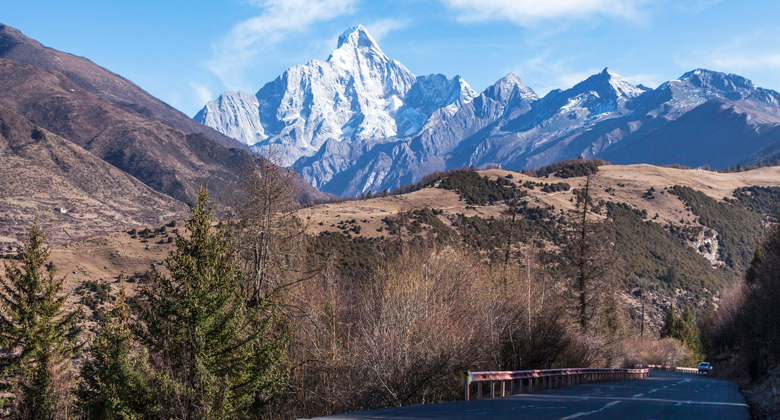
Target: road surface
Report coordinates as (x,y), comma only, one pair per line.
(665,395)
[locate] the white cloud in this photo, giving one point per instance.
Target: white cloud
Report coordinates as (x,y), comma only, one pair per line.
(755,52)
(736,62)
(697,5)
(380,28)
(278,20)
(528,12)
(202,92)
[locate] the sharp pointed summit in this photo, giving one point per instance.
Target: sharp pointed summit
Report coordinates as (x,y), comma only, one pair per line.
(357,37)
(508,87)
(609,82)
(357,95)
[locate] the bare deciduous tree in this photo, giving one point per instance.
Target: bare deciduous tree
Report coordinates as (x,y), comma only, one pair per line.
(268,232)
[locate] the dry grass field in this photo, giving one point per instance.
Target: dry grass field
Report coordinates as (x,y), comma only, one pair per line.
(103,257)
(616,183)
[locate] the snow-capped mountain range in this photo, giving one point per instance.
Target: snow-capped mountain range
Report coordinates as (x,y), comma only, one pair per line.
(361,121)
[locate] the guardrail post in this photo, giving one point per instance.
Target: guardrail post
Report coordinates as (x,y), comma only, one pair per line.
(512,387)
(466,392)
(479,390)
(492,389)
(503,388)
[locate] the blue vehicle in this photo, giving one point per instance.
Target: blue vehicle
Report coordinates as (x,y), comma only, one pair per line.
(705,367)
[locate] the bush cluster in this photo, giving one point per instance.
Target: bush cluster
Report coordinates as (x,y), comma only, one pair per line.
(477,190)
(568,168)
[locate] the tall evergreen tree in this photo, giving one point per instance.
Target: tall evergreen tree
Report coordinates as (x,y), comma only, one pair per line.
(751,275)
(112,378)
(38,335)
(683,328)
(211,355)
(689,331)
(589,259)
(707,324)
(670,324)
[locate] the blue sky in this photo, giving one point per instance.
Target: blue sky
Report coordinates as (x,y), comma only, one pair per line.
(187,52)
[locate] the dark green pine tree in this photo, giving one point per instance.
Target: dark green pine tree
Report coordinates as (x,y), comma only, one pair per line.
(684,329)
(38,335)
(688,331)
(211,356)
(670,324)
(707,324)
(113,377)
(751,275)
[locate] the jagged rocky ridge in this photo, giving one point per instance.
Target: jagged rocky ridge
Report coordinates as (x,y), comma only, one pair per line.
(361,121)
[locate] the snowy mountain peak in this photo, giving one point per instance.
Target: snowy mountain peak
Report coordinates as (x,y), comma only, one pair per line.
(357,38)
(235,113)
(609,72)
(708,79)
(609,82)
(509,85)
(358,51)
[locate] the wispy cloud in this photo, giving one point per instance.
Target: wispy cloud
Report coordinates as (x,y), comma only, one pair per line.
(747,62)
(380,28)
(697,5)
(757,52)
(202,92)
(650,80)
(528,12)
(278,19)
(544,73)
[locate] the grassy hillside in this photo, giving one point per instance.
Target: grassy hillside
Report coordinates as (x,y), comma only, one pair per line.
(683,229)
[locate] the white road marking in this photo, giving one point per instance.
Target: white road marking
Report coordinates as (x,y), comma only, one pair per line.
(585,413)
(637,395)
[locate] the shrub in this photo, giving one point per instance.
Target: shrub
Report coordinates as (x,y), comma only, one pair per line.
(480,191)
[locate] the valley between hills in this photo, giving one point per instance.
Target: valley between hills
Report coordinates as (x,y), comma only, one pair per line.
(103,257)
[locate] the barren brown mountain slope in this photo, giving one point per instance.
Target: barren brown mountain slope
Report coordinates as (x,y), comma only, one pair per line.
(95,79)
(168,160)
(73,193)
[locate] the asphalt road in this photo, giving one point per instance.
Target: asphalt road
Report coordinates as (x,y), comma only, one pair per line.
(665,395)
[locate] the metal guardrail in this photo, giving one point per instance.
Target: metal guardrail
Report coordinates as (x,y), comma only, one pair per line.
(670,368)
(527,381)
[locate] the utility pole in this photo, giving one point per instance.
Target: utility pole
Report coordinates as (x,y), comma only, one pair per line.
(642,329)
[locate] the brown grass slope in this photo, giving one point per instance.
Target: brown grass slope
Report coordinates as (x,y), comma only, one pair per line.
(615,183)
(168,160)
(95,79)
(42,173)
